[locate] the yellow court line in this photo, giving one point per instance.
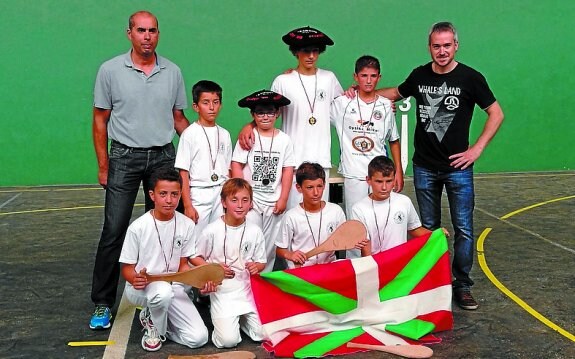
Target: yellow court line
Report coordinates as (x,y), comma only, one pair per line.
(51,189)
(510,214)
(93,343)
(502,288)
(58,209)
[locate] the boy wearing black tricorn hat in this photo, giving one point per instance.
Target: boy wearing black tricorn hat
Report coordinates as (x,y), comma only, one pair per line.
(268,166)
(311,91)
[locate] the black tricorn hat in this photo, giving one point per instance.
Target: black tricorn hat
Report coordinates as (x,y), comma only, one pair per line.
(306,36)
(264,97)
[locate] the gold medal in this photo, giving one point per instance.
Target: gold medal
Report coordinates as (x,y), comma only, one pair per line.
(213,159)
(265,181)
(312,121)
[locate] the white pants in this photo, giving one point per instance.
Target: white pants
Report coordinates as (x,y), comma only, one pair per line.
(207,201)
(295,198)
(172,312)
(227,330)
(270,223)
(354,190)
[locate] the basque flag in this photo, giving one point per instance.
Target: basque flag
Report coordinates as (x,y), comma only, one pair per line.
(398,296)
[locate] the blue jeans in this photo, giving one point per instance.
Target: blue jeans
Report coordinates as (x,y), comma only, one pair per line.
(127,168)
(461,196)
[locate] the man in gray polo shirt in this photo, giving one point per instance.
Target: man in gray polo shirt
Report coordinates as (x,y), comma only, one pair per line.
(139,98)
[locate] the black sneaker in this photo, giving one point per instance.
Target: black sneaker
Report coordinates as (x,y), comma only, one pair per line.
(464,299)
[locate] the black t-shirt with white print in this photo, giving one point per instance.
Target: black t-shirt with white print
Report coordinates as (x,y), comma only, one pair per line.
(444,108)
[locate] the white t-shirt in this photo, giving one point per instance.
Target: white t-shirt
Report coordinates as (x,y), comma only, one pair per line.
(234,246)
(313,141)
(300,231)
(264,164)
(395,216)
(194,154)
(143,247)
(362,137)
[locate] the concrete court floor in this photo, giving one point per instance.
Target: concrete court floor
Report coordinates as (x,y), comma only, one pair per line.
(48,238)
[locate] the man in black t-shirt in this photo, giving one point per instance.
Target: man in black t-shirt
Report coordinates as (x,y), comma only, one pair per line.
(446,93)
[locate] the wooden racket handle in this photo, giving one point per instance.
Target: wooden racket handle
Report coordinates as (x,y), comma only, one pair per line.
(406,351)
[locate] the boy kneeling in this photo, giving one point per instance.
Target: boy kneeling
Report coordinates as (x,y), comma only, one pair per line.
(240,249)
(388,217)
(160,241)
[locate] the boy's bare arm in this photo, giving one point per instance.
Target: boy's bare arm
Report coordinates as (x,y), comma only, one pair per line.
(298,257)
(287,178)
(197,261)
(418,232)
(395,149)
(366,250)
(246,136)
(237,169)
(186,198)
(137,279)
(184,266)
(255,267)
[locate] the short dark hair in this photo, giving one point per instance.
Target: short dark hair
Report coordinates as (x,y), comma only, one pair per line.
(296,48)
(203,86)
(233,185)
(441,27)
(381,164)
(264,107)
(309,171)
(165,173)
(131,19)
(367,61)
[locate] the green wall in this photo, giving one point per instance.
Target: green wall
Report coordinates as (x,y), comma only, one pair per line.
(52,49)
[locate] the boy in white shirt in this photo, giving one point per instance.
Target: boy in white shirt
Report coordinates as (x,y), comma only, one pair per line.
(238,245)
(268,167)
(160,241)
(388,217)
(311,91)
(204,156)
(364,124)
(310,223)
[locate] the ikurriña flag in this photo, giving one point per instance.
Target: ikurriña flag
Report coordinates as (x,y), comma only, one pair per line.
(399,296)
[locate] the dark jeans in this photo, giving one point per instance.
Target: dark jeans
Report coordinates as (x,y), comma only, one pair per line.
(128,167)
(461,196)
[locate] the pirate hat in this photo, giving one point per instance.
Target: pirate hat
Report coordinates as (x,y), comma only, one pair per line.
(306,36)
(264,97)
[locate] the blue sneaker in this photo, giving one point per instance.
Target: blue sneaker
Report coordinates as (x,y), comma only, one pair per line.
(101,318)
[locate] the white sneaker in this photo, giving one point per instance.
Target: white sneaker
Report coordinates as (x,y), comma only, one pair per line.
(152,340)
(144,316)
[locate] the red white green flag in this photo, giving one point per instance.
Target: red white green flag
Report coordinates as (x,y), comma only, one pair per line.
(399,296)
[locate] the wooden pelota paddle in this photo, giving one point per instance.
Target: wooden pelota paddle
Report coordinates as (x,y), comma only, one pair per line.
(196,277)
(406,351)
(238,354)
(346,236)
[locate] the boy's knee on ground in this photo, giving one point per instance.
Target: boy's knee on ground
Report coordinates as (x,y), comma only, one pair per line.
(195,339)
(226,338)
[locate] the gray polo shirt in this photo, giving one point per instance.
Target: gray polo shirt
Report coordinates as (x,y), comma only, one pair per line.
(141,105)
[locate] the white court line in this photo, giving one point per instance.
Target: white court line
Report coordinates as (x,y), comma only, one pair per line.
(10,200)
(535,234)
(121,328)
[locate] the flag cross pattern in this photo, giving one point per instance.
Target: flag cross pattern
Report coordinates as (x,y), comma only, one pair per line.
(394,297)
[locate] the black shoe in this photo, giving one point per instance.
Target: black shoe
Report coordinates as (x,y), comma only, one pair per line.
(464,299)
